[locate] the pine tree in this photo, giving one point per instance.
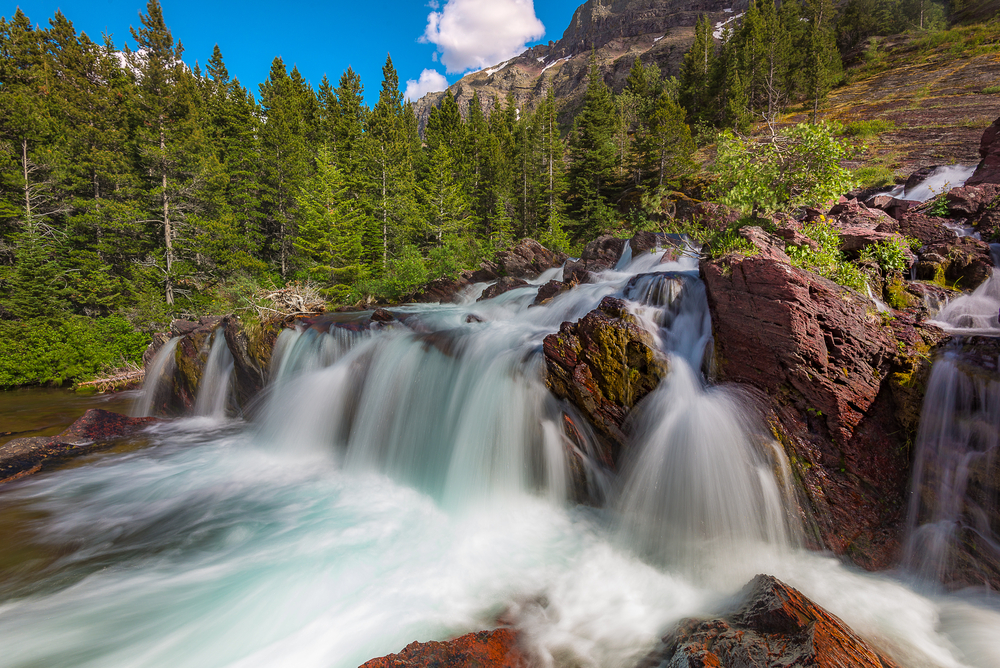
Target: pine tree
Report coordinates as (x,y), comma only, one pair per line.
(552,172)
(823,66)
(697,72)
(667,147)
(171,137)
(329,242)
(592,151)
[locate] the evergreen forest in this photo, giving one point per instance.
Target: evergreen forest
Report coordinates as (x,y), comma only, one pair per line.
(135,189)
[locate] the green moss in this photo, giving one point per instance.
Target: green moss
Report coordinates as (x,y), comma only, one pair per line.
(896,294)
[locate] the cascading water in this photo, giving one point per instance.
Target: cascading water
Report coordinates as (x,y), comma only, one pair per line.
(157,383)
(941,180)
(958,443)
(978,313)
(214,389)
(409,484)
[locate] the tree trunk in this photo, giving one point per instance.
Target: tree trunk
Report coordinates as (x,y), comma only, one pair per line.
(27,190)
(167,227)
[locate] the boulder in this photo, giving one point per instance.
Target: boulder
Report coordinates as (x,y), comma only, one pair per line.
(600,255)
(485,649)
(528,259)
(971,201)
(927,229)
(441,290)
(822,355)
(963,261)
(774,627)
(548,291)
(504,284)
(988,170)
(251,347)
(96,429)
(603,364)
(855,214)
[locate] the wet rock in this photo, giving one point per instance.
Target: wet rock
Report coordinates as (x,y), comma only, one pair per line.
(548,291)
(963,261)
(600,255)
(774,627)
(381,315)
(528,259)
(441,290)
(504,284)
(603,364)
(251,347)
(159,340)
(485,649)
(822,355)
(96,429)
(988,170)
(472,317)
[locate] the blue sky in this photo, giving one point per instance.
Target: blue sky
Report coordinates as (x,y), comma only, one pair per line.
(326,38)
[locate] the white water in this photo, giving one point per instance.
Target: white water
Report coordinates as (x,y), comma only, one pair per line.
(959,429)
(978,312)
(941,180)
(409,487)
(157,382)
(213,391)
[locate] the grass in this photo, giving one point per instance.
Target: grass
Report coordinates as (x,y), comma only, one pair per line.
(869,128)
(990,90)
(871,176)
(970,40)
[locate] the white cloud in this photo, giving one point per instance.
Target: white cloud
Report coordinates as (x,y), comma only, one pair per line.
(473,34)
(430,81)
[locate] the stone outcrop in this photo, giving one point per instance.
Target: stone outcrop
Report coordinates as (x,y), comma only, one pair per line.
(549,290)
(988,170)
(774,627)
(96,429)
(845,386)
(603,364)
(504,284)
(599,255)
(485,649)
(964,262)
(528,259)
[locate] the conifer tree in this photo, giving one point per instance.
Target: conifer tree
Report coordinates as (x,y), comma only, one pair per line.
(697,73)
(171,136)
(551,207)
(822,65)
(592,150)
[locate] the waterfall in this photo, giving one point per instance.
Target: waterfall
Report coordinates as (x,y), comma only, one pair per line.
(216,379)
(977,313)
(159,378)
(958,445)
(700,479)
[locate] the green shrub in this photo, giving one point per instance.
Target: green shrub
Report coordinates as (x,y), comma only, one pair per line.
(48,352)
(889,254)
(990,90)
(827,260)
(873,176)
(800,166)
(729,241)
(869,128)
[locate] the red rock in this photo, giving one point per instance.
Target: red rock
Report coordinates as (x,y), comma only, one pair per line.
(381,315)
(966,262)
(95,429)
(928,229)
(854,214)
(485,649)
(548,291)
(988,170)
(504,284)
(970,201)
(823,356)
(528,259)
(599,255)
(775,627)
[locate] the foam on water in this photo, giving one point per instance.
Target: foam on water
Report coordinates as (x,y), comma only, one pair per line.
(411,484)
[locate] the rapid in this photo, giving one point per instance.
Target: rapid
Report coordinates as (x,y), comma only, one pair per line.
(412,483)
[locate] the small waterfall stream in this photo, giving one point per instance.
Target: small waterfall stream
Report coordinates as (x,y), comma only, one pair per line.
(214,389)
(411,483)
(157,383)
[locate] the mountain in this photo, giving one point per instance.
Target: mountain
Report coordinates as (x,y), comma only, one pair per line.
(617,31)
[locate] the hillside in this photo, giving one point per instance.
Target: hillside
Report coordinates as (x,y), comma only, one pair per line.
(616,30)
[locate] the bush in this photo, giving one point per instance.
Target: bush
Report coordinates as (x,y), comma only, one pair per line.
(799,166)
(827,261)
(46,352)
(889,255)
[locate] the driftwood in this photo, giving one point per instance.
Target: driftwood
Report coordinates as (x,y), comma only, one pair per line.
(296,299)
(119,380)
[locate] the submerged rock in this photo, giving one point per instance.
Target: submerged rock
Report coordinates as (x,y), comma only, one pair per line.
(96,429)
(774,627)
(485,649)
(603,364)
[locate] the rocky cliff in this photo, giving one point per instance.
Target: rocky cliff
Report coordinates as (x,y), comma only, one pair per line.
(617,31)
